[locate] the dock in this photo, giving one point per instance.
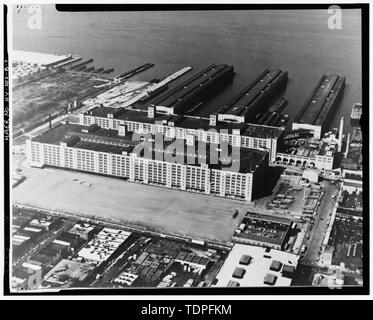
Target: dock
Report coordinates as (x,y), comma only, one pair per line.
(274,116)
(320,106)
(194,90)
(254,98)
(131,73)
(156,88)
(84,63)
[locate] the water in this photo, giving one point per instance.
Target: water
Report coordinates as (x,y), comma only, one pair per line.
(298,41)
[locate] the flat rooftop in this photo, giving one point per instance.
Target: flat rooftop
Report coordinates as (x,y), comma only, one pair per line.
(264,132)
(357,111)
(102,147)
(56,134)
(136,115)
(354,159)
(141,116)
(103,245)
(258,268)
(81,228)
(321,100)
(347,240)
(252,130)
(64,131)
(67,272)
(263,228)
(351,200)
(311,147)
(101,111)
(247,159)
(107,140)
(356,135)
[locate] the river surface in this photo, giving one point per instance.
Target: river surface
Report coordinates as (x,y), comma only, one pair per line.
(298,41)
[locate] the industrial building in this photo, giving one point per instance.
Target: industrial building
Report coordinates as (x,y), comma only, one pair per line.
(255,98)
(319,108)
(116,153)
(299,149)
(352,164)
(68,272)
(263,230)
(251,266)
(211,130)
(350,204)
(103,245)
(346,241)
(313,154)
(356,112)
(83,230)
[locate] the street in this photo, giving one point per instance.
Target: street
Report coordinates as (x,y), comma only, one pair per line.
(320,224)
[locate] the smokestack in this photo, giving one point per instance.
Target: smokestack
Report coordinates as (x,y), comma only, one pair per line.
(50,121)
(347,145)
(340,134)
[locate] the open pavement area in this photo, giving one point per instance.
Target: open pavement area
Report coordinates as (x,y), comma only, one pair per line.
(165,210)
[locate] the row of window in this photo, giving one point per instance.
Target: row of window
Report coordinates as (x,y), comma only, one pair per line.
(195,177)
(181,133)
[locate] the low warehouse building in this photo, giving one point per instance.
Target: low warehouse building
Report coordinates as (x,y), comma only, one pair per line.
(266,267)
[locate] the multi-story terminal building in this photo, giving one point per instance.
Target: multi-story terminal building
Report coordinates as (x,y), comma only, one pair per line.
(309,152)
(116,153)
(185,127)
(312,154)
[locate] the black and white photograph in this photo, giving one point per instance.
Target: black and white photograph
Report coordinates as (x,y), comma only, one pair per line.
(186,148)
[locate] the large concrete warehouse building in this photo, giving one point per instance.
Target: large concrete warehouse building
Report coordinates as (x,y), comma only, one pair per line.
(243,135)
(115,153)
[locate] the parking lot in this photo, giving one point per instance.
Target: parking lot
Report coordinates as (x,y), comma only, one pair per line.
(165,210)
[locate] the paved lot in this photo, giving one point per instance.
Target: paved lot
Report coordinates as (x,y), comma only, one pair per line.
(294,209)
(167,210)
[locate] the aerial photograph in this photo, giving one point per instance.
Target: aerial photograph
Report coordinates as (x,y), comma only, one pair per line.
(187,148)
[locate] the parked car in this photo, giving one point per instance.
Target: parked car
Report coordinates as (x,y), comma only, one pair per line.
(235,213)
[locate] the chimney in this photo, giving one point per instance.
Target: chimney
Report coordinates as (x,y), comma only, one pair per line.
(347,145)
(340,135)
(151,111)
(50,121)
(75,104)
(213,119)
